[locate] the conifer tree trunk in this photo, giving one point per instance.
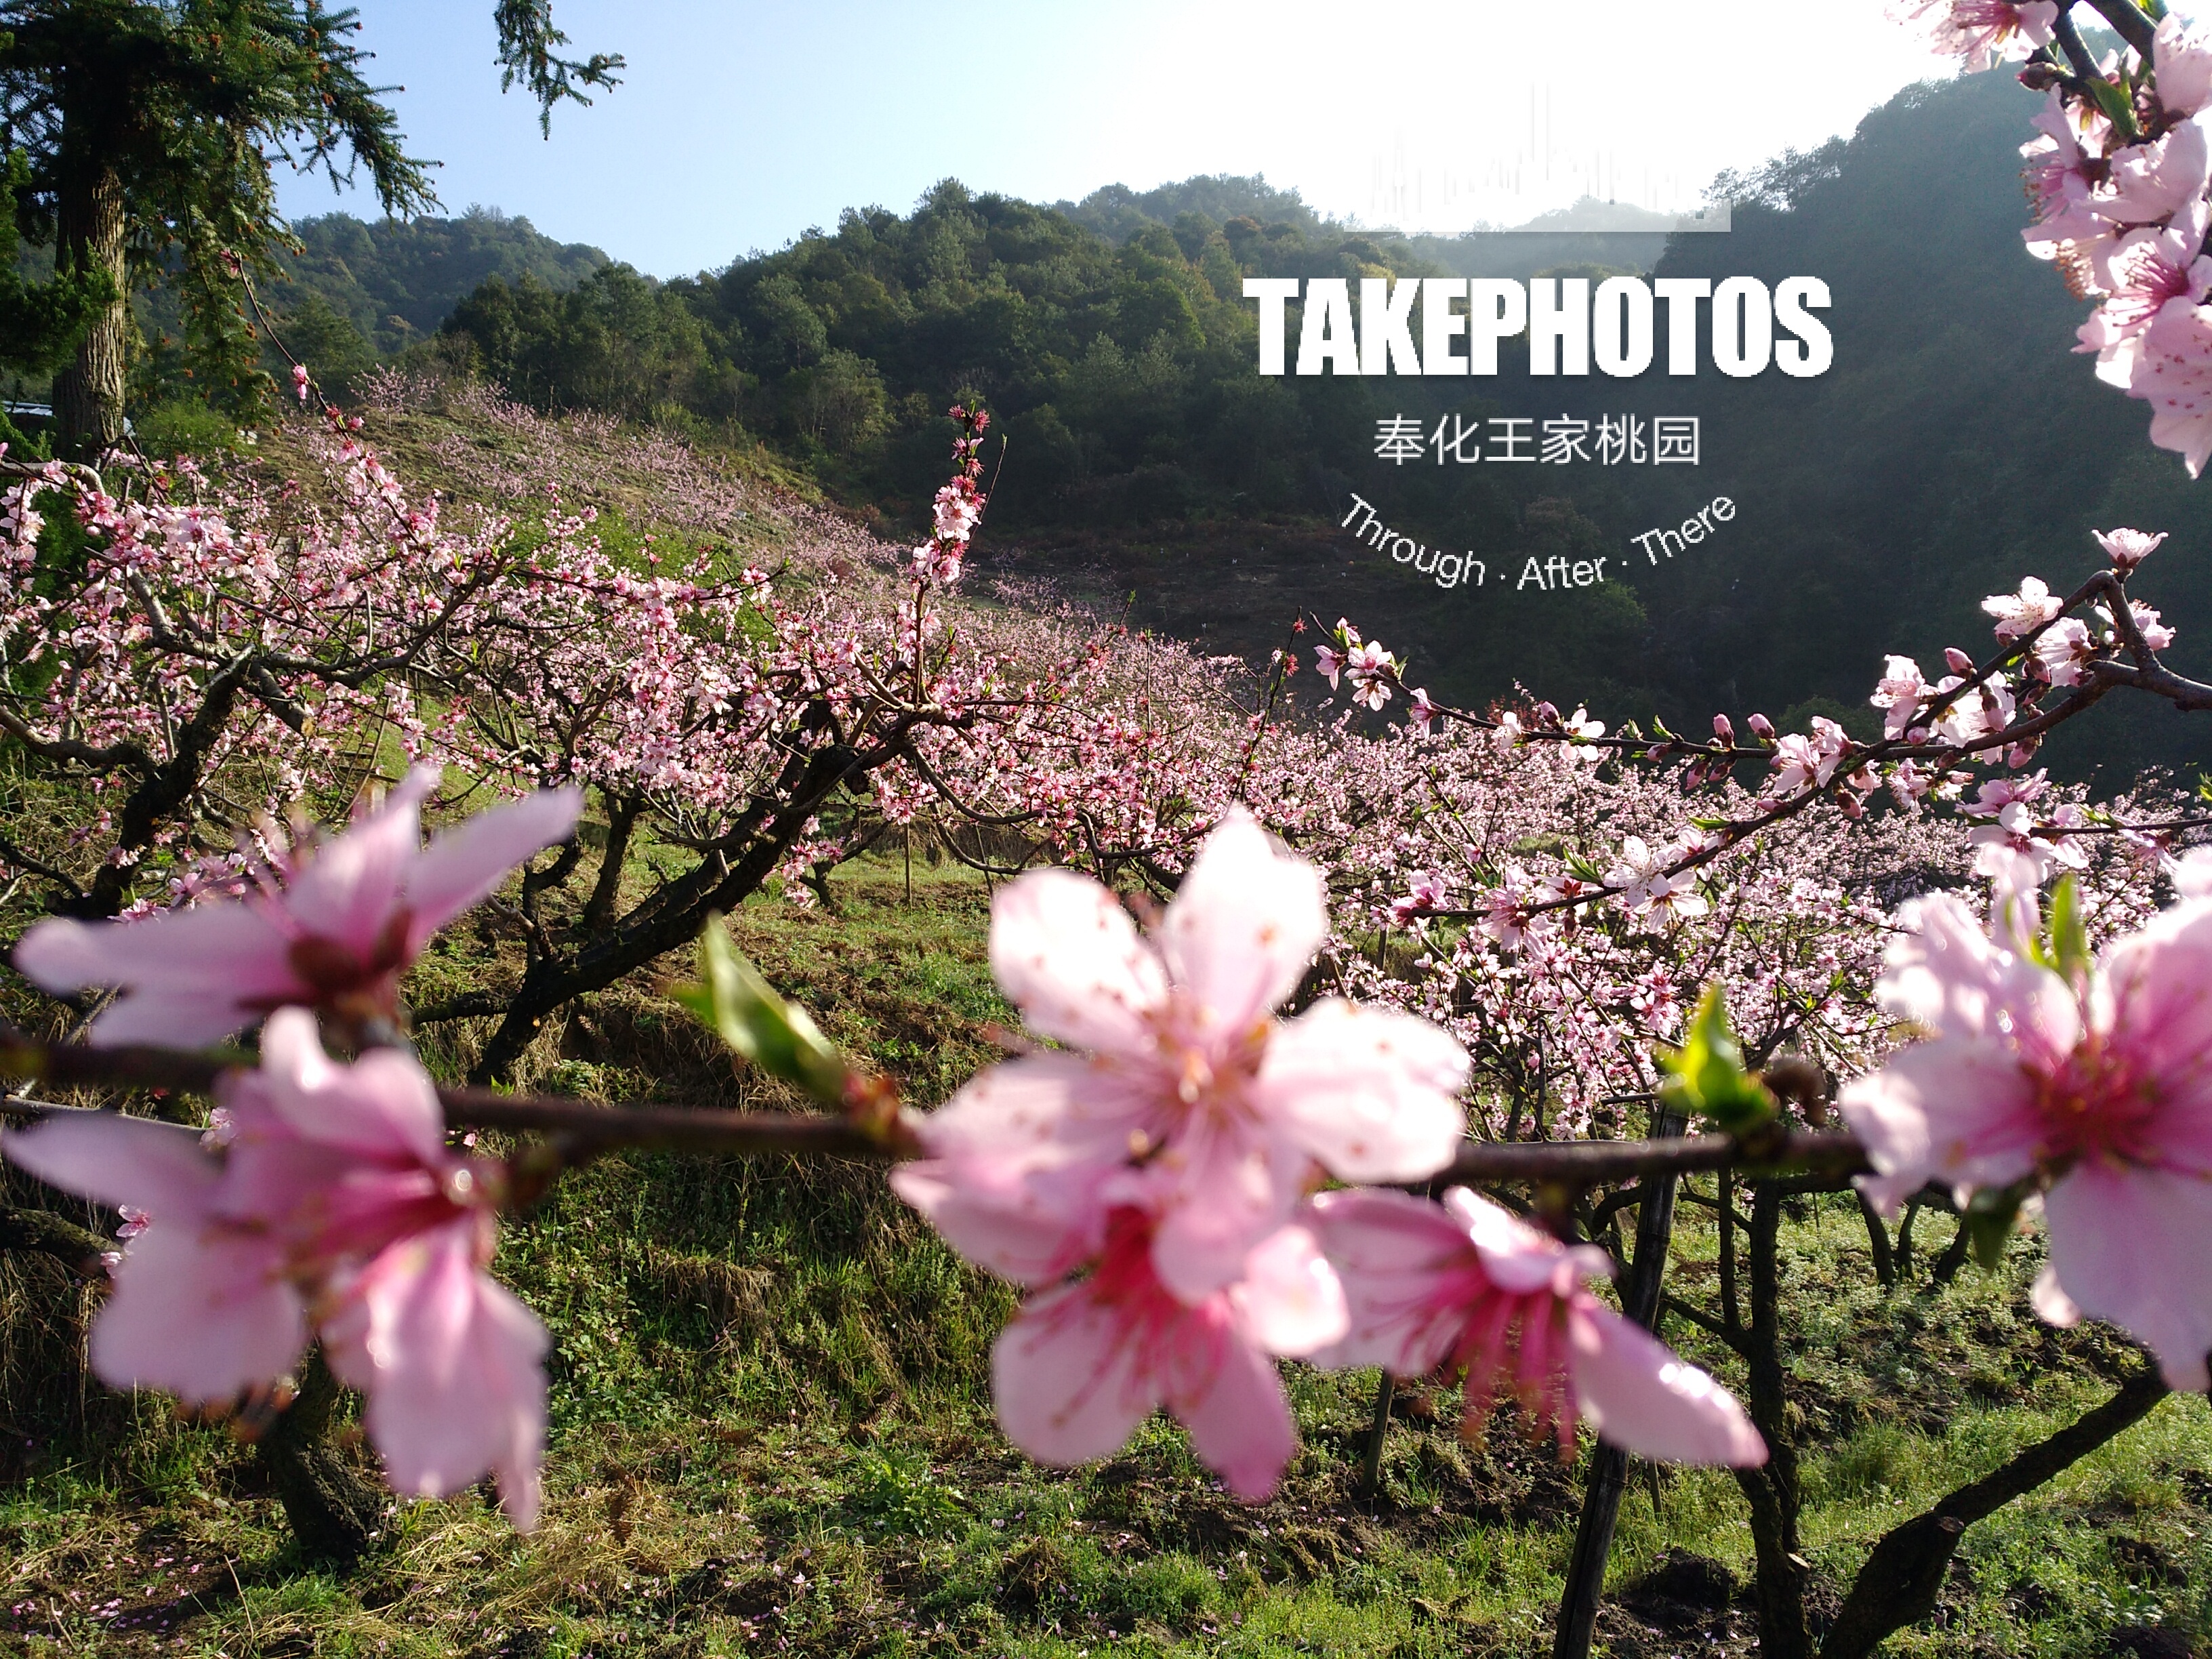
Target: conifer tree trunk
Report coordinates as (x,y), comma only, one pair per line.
(90,235)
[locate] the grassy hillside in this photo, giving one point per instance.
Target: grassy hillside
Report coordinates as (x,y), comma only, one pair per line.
(770,1428)
(771,1436)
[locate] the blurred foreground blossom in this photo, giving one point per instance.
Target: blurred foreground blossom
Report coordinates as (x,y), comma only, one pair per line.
(1466,1284)
(325,1197)
(335,933)
(2088,1081)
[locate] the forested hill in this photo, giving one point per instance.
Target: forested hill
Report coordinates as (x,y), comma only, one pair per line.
(1954,445)
(357,291)
(397,282)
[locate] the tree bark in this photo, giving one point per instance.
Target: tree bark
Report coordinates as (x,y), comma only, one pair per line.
(1773,1490)
(90,235)
(1608,1472)
(334,1513)
(1371,1472)
(1884,1261)
(47,1233)
(672,917)
(1904,1577)
(606,890)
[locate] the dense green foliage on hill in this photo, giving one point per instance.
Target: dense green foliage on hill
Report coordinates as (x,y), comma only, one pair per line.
(1124,374)
(355,292)
(1954,447)
(397,282)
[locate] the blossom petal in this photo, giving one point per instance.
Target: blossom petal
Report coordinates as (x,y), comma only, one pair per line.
(1240,1424)
(158,1168)
(2192,874)
(383,1103)
(465,865)
(1065,1377)
(450,1362)
(1515,1256)
(1219,1194)
(1958,1111)
(200,1309)
(1066,954)
(1289,1301)
(1945,972)
(2153,996)
(1244,924)
(189,977)
(1016,1162)
(348,890)
(1639,1394)
(2128,1246)
(1405,1266)
(1372,1093)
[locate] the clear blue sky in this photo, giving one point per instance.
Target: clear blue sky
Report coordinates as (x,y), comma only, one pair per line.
(738,124)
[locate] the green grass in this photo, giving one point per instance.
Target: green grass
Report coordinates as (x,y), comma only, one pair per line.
(771,1434)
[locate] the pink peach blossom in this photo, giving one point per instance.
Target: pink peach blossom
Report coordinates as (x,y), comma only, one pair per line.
(1467,1285)
(2155,274)
(1983,32)
(2063,649)
(327,1196)
(202,1306)
(2024,611)
(2093,1086)
(2155,182)
(2128,548)
(2063,187)
(336,935)
(2017,834)
(1579,725)
(1425,893)
(1898,693)
(2155,634)
(2182,57)
(1647,890)
(1192,1102)
(1800,760)
(1085,1363)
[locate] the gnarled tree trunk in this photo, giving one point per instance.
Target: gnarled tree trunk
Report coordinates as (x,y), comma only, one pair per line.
(1772,1489)
(1904,1575)
(1608,1472)
(334,1513)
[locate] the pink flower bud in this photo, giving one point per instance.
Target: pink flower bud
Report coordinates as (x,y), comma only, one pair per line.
(1761,727)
